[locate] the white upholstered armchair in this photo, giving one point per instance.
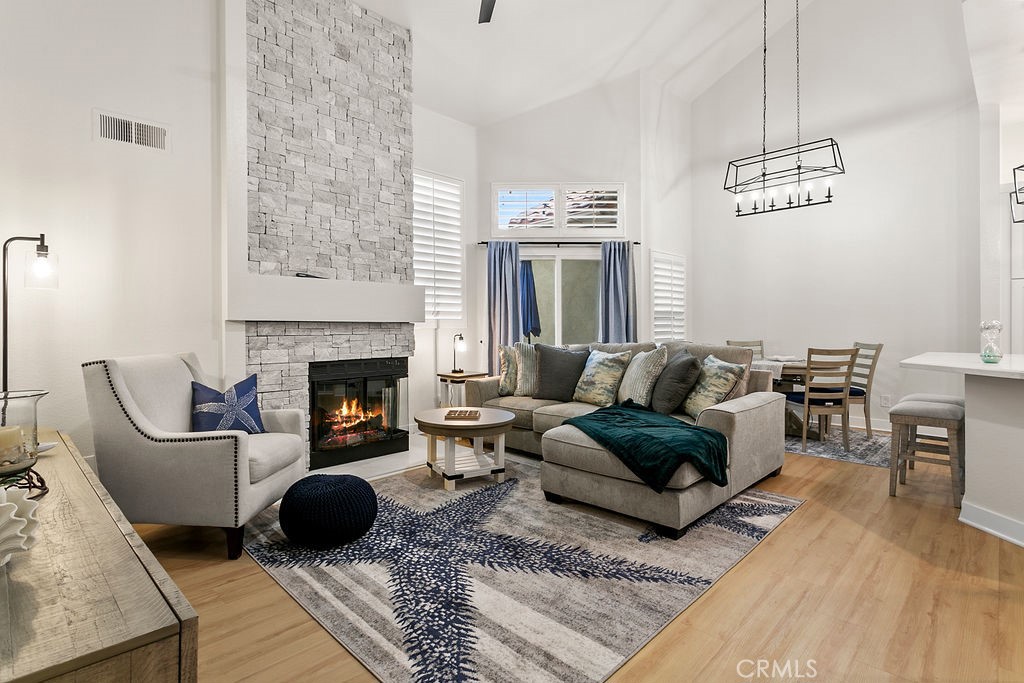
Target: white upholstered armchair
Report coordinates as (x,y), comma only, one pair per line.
(160,472)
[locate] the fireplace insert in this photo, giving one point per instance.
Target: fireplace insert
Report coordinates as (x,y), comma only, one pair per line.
(354,410)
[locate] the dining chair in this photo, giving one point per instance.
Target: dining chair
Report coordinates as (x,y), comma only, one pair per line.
(863,375)
(826,390)
(757,345)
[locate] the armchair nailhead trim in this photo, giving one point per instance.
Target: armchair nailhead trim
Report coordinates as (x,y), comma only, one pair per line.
(234,461)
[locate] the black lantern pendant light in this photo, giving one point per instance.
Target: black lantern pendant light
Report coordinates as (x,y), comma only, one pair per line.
(792,168)
(1017,195)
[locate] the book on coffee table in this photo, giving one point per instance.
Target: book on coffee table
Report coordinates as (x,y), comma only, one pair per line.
(462,414)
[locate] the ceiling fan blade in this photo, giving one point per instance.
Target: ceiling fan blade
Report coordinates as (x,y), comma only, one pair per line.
(486,10)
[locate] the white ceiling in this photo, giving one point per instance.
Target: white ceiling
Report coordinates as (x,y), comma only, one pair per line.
(995,38)
(538,51)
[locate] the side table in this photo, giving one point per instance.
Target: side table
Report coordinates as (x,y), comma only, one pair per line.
(450,379)
(492,422)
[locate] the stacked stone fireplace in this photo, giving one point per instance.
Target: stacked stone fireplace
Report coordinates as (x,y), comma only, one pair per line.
(280,355)
(329,179)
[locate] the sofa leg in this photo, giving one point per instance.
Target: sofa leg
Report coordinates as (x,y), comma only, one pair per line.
(776,473)
(669,532)
(234,537)
(553,497)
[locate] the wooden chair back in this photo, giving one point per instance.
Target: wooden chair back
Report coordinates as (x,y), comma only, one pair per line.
(864,368)
(757,345)
(828,376)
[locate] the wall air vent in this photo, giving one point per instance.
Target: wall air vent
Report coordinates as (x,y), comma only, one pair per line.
(121,129)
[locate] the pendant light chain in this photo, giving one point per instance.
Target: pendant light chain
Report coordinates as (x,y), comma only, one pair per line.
(764,81)
(797,73)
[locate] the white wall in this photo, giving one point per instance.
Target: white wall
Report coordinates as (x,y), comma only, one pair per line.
(448,147)
(1011,144)
(135,228)
(895,258)
(667,210)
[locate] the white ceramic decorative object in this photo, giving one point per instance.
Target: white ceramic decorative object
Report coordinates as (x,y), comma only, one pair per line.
(26,510)
(11,538)
(18,523)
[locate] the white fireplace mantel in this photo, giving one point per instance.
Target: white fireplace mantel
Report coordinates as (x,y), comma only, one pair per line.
(278,298)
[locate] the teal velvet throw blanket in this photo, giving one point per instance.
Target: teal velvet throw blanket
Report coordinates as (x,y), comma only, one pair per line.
(653,446)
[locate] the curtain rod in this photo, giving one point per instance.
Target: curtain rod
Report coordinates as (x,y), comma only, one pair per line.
(556,244)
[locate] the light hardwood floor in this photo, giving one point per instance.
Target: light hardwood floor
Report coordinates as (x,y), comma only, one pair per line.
(871,588)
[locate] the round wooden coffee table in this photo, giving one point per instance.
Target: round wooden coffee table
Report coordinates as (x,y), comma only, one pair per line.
(492,422)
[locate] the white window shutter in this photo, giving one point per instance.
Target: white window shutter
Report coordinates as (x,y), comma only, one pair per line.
(522,208)
(668,297)
(589,207)
(437,244)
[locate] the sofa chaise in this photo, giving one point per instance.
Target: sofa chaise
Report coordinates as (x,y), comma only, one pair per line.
(575,467)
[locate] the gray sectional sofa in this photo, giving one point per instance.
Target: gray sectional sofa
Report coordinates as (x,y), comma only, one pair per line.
(576,467)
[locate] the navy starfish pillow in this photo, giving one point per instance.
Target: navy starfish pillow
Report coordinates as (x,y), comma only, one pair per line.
(236,408)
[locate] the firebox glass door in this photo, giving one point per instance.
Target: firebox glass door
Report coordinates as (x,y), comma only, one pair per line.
(353,412)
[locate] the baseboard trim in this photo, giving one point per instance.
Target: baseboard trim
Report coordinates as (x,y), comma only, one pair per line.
(990,522)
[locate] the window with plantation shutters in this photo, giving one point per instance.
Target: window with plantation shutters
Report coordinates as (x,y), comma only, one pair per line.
(668,297)
(526,208)
(437,243)
(523,210)
(593,209)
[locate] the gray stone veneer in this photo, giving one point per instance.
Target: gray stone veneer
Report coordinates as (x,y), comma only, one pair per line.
(280,353)
(329,141)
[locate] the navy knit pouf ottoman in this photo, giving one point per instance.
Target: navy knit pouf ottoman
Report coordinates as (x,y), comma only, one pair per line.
(325,510)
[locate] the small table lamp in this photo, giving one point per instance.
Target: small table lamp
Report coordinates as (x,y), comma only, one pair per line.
(41,273)
(458,344)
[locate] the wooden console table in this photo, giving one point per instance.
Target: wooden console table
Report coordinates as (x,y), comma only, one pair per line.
(89,602)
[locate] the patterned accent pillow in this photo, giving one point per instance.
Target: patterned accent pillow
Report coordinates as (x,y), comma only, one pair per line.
(717,379)
(236,408)
(601,377)
(526,366)
(639,378)
(508,370)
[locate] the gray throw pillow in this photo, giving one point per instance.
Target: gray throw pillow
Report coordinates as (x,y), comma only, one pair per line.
(639,378)
(601,377)
(676,381)
(558,371)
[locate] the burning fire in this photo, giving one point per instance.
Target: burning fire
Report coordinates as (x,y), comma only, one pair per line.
(351,413)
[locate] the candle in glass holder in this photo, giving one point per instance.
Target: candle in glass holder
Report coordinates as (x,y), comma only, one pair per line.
(11,447)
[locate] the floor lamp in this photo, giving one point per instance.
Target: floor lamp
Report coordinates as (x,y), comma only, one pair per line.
(40,273)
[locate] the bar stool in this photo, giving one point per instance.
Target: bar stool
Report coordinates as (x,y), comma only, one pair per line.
(905,417)
(931,398)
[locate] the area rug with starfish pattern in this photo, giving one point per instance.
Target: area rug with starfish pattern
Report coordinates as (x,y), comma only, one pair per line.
(494,583)
(864,449)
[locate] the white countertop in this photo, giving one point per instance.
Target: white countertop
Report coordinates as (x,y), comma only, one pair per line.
(1010,367)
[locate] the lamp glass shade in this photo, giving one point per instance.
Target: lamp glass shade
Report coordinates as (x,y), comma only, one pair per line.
(41,271)
(460,345)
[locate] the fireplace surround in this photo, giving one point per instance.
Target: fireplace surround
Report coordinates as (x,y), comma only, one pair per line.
(354,408)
